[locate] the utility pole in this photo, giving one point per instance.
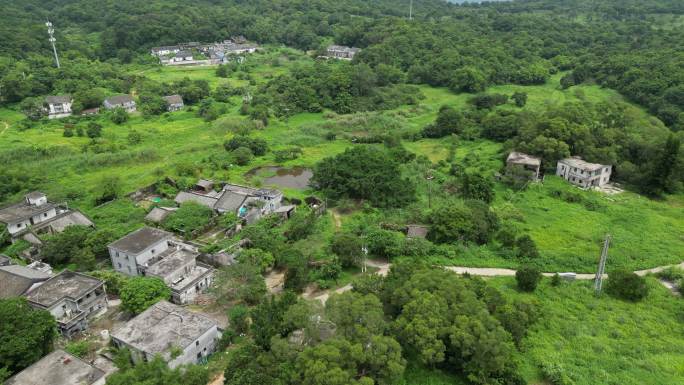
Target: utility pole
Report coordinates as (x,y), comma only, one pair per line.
(410,9)
(429,178)
(598,281)
(52,40)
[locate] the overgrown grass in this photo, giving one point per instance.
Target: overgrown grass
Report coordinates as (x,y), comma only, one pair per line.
(603,340)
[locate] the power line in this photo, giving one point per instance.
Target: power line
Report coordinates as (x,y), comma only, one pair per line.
(598,281)
(51,31)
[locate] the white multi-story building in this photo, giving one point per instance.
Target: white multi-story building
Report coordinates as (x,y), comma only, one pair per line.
(58,106)
(178,335)
(156,253)
(583,174)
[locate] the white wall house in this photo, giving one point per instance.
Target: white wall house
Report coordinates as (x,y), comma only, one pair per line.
(583,174)
(165,329)
(58,106)
(124,101)
(33,210)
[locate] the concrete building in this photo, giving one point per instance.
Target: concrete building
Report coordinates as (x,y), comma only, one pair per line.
(528,162)
(164,51)
(16,280)
(59,368)
(341,52)
(182,56)
(583,174)
(38,215)
(124,101)
(153,252)
(166,329)
(58,106)
(174,102)
(247,203)
(72,298)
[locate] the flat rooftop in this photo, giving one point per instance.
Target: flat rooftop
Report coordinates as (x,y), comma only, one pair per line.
(21,211)
(139,240)
(162,327)
(57,368)
(520,158)
(581,164)
(172,262)
(65,284)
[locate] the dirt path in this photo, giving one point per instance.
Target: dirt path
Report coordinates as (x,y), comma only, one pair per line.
(336,218)
(4,129)
(383,270)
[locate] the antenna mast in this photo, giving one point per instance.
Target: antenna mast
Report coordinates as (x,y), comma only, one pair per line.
(598,281)
(52,40)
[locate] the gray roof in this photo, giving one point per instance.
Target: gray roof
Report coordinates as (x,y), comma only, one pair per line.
(204,183)
(139,240)
(35,195)
(576,161)
(183,53)
(20,211)
(520,158)
(64,220)
(173,99)
(57,368)
(230,201)
(119,99)
(15,280)
(187,196)
(171,263)
(5,260)
(158,214)
(58,99)
(67,284)
(162,327)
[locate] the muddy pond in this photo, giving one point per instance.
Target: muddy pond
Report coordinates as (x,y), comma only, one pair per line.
(293,177)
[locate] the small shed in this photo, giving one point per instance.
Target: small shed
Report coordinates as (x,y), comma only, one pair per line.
(417,231)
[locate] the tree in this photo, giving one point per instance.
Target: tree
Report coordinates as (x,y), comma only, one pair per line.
(26,334)
(189,218)
(108,189)
(222,71)
(520,98)
(526,247)
(239,282)
(268,318)
(468,79)
(627,285)
(119,116)
(257,257)
(661,180)
(94,130)
(257,145)
(357,317)
(364,173)
(153,105)
(347,247)
(139,293)
(476,186)
(238,316)
(157,372)
(33,108)
(242,155)
(63,248)
(527,277)
(448,121)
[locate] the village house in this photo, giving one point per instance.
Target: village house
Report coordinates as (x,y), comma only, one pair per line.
(124,101)
(154,252)
(159,214)
(58,106)
(36,215)
(164,51)
(90,111)
(247,203)
(582,173)
(17,280)
(72,298)
(341,52)
(59,368)
(165,329)
(182,56)
(527,162)
(174,102)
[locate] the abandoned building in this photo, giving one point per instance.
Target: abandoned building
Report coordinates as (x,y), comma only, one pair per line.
(341,52)
(527,162)
(58,106)
(36,215)
(158,214)
(154,252)
(164,51)
(166,327)
(17,280)
(59,368)
(173,102)
(72,298)
(247,203)
(120,101)
(582,173)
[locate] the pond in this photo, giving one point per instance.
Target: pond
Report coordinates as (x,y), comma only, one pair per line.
(294,177)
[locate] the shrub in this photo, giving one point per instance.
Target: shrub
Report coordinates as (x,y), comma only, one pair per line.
(139,293)
(627,285)
(527,277)
(242,156)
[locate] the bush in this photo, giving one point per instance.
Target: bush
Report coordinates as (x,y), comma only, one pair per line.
(626,285)
(119,116)
(257,146)
(139,293)
(242,156)
(527,278)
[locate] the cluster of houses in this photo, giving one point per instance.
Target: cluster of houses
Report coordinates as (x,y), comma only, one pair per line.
(61,106)
(574,170)
(213,53)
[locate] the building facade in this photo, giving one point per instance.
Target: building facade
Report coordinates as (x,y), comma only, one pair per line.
(583,174)
(124,101)
(58,106)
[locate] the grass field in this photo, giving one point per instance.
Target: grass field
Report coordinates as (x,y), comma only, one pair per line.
(603,340)
(646,233)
